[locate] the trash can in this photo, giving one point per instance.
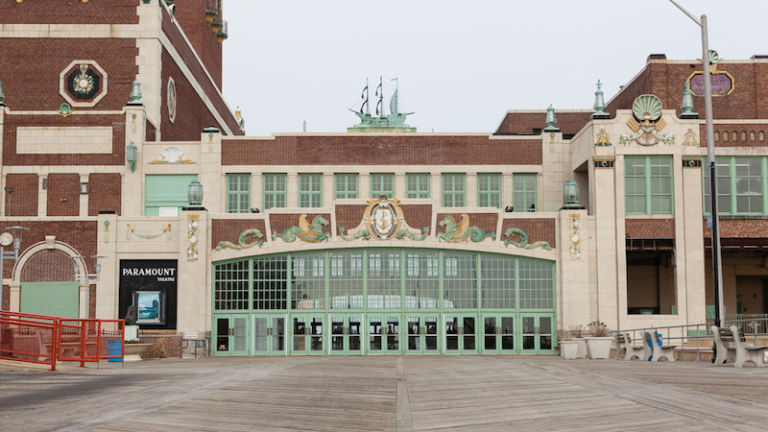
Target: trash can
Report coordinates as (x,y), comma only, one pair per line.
(114,349)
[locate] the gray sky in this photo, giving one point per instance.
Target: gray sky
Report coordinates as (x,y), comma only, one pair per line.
(461,64)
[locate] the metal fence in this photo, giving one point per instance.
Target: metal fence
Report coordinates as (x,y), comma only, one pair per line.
(697,339)
(47,339)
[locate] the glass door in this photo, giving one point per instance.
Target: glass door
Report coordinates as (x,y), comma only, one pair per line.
(422,334)
(460,333)
(346,334)
(384,334)
(268,335)
(536,333)
(498,333)
(231,334)
(307,334)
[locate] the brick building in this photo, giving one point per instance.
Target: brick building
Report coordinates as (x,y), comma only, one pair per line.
(377,240)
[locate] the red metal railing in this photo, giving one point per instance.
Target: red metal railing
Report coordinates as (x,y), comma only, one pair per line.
(47,339)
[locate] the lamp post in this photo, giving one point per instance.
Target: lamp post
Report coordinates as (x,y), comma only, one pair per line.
(716,255)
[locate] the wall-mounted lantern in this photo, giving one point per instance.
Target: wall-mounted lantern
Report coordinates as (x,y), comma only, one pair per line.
(131,155)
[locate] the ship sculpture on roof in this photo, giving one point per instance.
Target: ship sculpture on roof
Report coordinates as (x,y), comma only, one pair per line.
(394,122)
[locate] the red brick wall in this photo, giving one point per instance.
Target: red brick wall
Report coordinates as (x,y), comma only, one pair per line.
(230,229)
(81,235)
(486,221)
(191,115)
(537,230)
(150,133)
(63,195)
(746,135)
(188,56)
(749,99)
(418,215)
(348,216)
(381,150)
(190,15)
(117,157)
(104,193)
(69,12)
(650,228)
(6,301)
(524,123)
(754,229)
(279,222)
(24,195)
(34,85)
(48,265)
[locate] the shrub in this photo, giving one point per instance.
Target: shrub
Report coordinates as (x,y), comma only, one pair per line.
(575,332)
(598,329)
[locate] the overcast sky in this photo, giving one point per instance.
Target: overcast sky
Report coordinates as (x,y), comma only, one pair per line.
(461,64)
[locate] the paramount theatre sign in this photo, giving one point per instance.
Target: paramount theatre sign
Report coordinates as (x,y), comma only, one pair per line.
(150,286)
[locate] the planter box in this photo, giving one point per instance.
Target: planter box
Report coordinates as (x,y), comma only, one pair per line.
(573,349)
(599,347)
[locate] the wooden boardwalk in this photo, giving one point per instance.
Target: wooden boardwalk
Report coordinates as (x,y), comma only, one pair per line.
(446,393)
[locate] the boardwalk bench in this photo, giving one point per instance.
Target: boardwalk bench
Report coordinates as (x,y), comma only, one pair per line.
(744,352)
(726,350)
(659,350)
(633,351)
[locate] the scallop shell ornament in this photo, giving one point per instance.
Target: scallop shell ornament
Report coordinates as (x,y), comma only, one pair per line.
(647,107)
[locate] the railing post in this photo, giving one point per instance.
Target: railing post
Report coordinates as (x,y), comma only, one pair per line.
(55,330)
(82,343)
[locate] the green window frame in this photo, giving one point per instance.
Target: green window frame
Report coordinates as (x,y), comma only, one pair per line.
(648,185)
(454,190)
(163,192)
(417,185)
(524,192)
(489,190)
(238,193)
(345,186)
(275,190)
(310,190)
(742,184)
(382,184)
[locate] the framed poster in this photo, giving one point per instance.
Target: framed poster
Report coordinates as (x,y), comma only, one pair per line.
(150,307)
(150,286)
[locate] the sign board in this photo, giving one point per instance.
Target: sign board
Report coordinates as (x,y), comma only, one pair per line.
(722,83)
(150,286)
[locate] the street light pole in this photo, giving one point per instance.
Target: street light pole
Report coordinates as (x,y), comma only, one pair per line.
(717,272)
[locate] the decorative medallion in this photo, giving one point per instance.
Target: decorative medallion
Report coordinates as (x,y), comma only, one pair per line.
(646,123)
(172,155)
(462,231)
(523,243)
(83,83)
(383,220)
(690,139)
(574,236)
(310,233)
(171,96)
(602,139)
(242,240)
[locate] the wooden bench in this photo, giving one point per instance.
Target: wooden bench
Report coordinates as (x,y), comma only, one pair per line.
(740,351)
(659,350)
(633,351)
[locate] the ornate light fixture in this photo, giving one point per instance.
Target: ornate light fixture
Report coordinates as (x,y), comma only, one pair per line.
(135,94)
(65,110)
(571,195)
(195,194)
(131,155)
(91,277)
(551,120)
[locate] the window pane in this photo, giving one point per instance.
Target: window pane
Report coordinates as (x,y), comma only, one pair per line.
(274,190)
(417,185)
(453,190)
(382,184)
(310,190)
(524,192)
(489,190)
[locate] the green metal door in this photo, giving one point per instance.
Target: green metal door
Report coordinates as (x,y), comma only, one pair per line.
(384,333)
(50,298)
(269,335)
(499,333)
(536,333)
(308,334)
(460,333)
(231,334)
(346,334)
(422,334)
